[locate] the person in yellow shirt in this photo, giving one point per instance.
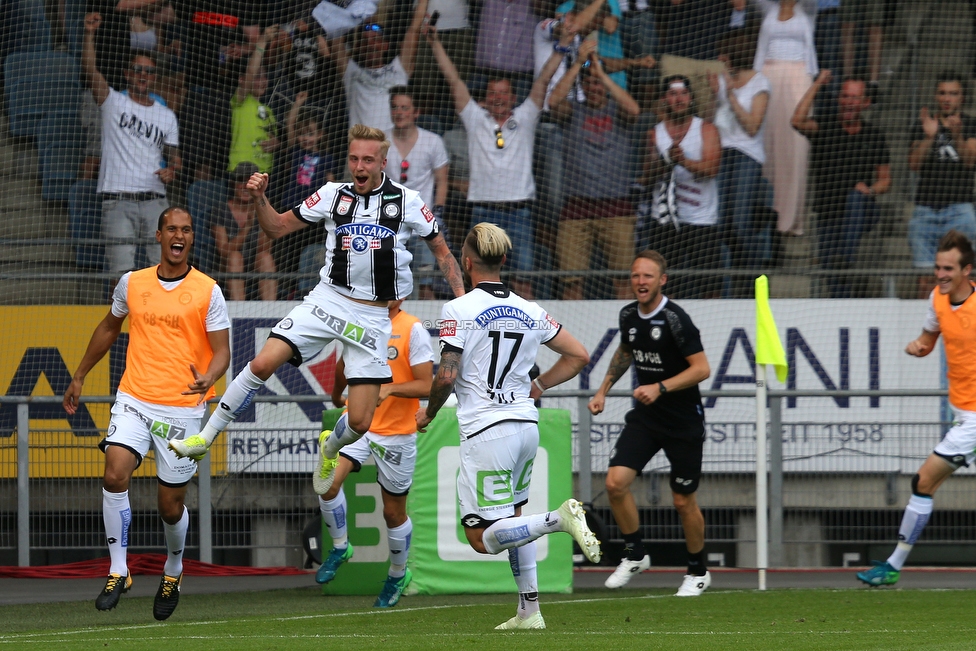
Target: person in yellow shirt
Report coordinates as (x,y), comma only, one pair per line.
(392,441)
(178,348)
(951,311)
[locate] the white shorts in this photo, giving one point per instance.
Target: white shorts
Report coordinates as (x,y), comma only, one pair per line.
(496,468)
(136,426)
(395,457)
(325,316)
(959,445)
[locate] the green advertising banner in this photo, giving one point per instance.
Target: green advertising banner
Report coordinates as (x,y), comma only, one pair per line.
(441,560)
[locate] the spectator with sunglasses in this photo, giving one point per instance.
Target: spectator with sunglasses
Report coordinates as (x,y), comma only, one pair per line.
(501,141)
(419,160)
(140,156)
(368,73)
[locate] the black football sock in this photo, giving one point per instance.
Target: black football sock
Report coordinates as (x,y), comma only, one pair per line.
(696,564)
(633,546)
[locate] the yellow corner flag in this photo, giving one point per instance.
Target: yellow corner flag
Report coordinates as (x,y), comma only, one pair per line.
(769,349)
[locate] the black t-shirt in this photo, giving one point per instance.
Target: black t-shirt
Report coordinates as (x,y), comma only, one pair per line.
(660,345)
(842,160)
(307,71)
(213,27)
(943,179)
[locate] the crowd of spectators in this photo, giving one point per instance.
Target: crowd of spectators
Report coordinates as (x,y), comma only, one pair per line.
(586,129)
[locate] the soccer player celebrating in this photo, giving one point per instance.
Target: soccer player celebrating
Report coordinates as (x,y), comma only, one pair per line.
(392,441)
(367,265)
(950,312)
(489,341)
(659,338)
(178,348)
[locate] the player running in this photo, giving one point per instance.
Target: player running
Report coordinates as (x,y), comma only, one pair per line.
(178,347)
(392,442)
(950,312)
(659,338)
(367,265)
(489,340)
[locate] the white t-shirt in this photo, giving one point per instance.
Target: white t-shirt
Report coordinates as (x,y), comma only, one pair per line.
(133,137)
(501,174)
(454,14)
(428,154)
(498,334)
(696,198)
(365,247)
(217,318)
(732,133)
(368,92)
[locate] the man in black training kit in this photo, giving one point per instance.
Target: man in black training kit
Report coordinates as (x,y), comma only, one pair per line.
(659,338)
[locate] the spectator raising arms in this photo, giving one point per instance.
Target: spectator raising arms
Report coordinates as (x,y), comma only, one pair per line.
(850,160)
(131,181)
(254,136)
(786,55)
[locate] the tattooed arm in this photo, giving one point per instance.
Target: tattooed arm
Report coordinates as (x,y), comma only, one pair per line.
(447,264)
(622,359)
(442,387)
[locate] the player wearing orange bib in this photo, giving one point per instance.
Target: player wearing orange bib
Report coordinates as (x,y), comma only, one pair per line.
(951,313)
(178,348)
(392,441)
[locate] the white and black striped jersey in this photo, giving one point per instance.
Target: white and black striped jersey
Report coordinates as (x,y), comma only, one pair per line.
(498,335)
(365,248)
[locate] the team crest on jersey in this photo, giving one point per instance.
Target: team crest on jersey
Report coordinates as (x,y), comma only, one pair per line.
(391,210)
(428,215)
(362,238)
(392,353)
(632,334)
(448,328)
(655,333)
(344,204)
(312,200)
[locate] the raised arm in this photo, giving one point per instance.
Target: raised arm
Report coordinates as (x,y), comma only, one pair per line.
(340,55)
(274,223)
(408,51)
(560,104)
(89,66)
(296,108)
(801,120)
(246,87)
(541,83)
(458,90)
(627,104)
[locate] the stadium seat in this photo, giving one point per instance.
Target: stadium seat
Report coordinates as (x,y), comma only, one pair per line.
(60,146)
(38,83)
(85,222)
(201,198)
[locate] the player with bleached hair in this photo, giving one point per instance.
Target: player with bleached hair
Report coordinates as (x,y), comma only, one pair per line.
(489,339)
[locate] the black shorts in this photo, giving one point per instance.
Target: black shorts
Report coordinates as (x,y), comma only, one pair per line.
(642,438)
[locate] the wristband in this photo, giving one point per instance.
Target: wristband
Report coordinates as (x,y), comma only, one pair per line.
(259,48)
(538,385)
(561,48)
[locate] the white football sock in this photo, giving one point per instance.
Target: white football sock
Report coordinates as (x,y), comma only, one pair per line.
(399,540)
(341,436)
(175,543)
(117,516)
(235,400)
(334,516)
(912,524)
(522,560)
(514,532)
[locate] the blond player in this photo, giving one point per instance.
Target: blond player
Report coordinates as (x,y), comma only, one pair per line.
(178,348)
(392,442)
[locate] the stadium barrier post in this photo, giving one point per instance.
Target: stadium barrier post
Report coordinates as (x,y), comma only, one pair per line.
(23,485)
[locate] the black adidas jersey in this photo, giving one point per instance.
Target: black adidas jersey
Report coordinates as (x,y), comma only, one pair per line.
(659,343)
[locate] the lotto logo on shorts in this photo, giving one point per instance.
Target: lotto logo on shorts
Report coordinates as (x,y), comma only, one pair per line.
(428,215)
(312,200)
(448,328)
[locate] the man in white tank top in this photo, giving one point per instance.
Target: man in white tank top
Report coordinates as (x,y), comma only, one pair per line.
(684,153)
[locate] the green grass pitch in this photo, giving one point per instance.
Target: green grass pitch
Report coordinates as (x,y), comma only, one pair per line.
(776,620)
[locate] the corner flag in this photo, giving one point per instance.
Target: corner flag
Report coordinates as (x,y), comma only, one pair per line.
(769,349)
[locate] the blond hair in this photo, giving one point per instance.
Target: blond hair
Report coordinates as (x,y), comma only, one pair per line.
(362,132)
(489,242)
